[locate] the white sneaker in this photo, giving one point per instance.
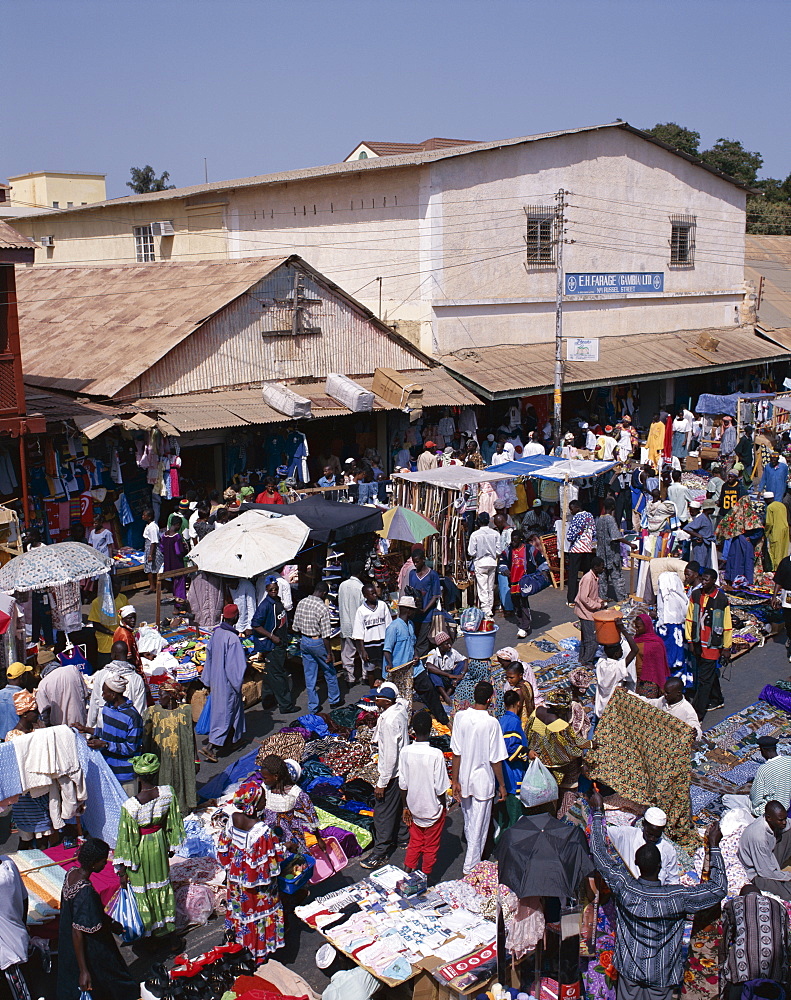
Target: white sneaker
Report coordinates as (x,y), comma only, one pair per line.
(521,634)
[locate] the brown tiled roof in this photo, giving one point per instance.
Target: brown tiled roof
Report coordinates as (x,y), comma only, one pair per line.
(769,257)
(10,239)
(401,148)
(506,371)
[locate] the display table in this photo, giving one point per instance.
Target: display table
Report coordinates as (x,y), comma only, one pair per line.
(396,938)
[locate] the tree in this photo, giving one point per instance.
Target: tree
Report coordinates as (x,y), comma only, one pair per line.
(680,138)
(144,180)
(768,218)
(729,156)
(775,190)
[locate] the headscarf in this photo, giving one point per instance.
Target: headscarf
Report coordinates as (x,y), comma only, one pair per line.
(294,770)
(115,682)
(229,494)
(559,697)
(126,610)
(245,492)
(172,687)
(581,678)
(671,600)
(24,702)
(507,653)
(145,763)
(654,655)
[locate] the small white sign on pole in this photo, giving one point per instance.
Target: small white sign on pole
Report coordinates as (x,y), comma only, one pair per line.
(582,349)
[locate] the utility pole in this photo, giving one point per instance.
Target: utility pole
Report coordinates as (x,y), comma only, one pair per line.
(205,170)
(380,297)
(560,221)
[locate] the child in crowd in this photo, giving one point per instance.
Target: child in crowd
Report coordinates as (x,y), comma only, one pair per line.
(423,780)
(446,666)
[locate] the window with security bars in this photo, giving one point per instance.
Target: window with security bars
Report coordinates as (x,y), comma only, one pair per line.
(144,244)
(540,236)
(682,240)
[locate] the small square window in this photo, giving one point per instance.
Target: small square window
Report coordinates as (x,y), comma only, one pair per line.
(144,244)
(682,240)
(69,204)
(540,236)
(56,204)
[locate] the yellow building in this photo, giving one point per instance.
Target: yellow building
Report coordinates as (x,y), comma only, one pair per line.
(52,189)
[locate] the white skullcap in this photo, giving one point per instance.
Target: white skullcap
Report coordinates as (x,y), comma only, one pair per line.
(127,609)
(768,495)
(115,682)
(656,817)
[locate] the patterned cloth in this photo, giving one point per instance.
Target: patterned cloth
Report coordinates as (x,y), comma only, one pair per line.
(756,937)
(146,833)
(253,908)
(168,732)
(645,754)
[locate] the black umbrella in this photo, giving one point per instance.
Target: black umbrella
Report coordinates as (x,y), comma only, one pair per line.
(328,520)
(543,856)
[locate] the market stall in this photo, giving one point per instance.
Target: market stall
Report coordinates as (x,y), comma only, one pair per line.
(440,495)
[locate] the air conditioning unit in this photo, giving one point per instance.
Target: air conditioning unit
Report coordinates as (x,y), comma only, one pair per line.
(162,229)
(47,241)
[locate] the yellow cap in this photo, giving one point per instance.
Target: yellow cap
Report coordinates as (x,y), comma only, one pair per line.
(15,670)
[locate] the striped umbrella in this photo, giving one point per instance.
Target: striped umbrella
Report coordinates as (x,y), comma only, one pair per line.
(406,525)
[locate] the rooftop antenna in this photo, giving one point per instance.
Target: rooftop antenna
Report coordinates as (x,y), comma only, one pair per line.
(205,170)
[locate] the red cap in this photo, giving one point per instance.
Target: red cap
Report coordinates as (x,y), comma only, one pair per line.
(229,611)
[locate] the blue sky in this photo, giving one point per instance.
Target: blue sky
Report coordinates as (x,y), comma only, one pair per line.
(102,85)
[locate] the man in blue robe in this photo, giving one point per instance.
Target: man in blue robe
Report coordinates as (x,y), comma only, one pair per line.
(775,477)
(223,674)
(701,533)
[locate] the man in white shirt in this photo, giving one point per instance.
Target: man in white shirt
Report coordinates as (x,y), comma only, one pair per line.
(482,549)
(118,666)
(533,446)
(423,779)
(590,438)
(368,632)
(478,752)
(350,597)
(628,839)
(391,735)
(501,454)
(617,667)
(679,495)
(674,703)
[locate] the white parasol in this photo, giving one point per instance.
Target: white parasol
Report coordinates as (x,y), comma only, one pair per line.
(250,544)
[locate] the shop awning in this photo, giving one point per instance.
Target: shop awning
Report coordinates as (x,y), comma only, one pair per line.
(452,477)
(241,407)
(555,469)
(521,369)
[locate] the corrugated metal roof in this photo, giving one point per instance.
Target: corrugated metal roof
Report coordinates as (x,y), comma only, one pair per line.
(502,372)
(237,407)
(769,257)
(10,239)
(95,329)
(381,163)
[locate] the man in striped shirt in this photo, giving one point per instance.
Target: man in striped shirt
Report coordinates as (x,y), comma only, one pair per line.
(772,781)
(651,916)
(120,734)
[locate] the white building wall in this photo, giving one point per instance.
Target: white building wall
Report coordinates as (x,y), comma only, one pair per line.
(448,239)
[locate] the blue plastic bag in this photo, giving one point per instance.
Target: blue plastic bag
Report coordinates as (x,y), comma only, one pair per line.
(125,911)
(202,725)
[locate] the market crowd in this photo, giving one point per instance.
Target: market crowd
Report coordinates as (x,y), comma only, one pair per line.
(450,730)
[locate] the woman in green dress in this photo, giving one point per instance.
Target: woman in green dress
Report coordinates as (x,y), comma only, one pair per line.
(150,826)
(169,734)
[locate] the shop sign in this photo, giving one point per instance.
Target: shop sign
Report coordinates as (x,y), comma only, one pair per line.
(615,283)
(582,349)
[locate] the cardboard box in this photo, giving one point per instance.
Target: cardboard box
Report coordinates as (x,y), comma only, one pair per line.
(691,462)
(398,389)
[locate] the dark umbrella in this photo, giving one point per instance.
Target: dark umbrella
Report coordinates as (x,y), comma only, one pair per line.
(328,520)
(543,856)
